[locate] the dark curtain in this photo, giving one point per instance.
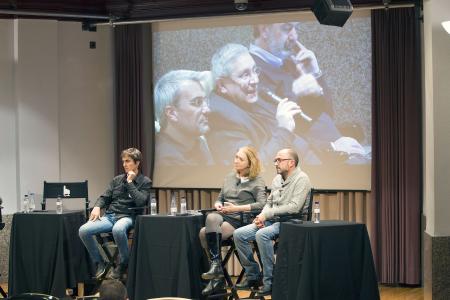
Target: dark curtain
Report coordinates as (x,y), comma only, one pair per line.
(397,144)
(133,108)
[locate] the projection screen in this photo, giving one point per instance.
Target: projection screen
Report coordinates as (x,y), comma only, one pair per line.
(272,81)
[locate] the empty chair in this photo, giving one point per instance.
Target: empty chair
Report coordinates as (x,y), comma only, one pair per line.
(66,190)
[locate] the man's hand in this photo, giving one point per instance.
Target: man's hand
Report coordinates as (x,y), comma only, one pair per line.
(131,176)
(259,221)
(306,61)
(218,206)
(95,214)
(307,85)
(286,110)
(348,145)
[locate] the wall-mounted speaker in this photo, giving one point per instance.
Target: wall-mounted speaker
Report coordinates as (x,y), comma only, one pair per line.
(332,12)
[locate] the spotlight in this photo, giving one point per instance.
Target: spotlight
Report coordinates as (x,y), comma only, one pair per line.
(241,4)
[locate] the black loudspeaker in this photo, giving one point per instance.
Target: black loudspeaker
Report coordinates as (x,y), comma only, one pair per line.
(332,12)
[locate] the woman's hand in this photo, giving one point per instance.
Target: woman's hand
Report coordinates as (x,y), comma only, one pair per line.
(229,208)
(218,206)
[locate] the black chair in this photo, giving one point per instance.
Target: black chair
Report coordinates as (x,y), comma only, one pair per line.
(108,245)
(33,296)
(245,217)
(66,190)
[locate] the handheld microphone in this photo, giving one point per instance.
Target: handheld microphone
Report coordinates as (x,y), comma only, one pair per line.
(278,99)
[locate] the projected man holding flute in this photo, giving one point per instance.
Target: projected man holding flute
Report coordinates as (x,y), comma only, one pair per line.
(237,118)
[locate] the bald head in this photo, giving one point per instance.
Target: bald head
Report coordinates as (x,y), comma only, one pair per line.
(289,153)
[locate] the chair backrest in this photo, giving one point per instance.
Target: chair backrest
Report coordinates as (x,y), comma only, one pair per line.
(33,296)
(306,210)
(66,190)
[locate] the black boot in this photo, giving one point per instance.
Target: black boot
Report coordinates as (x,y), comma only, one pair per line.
(213,240)
(214,286)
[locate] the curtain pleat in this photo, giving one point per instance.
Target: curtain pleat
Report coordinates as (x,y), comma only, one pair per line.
(129,104)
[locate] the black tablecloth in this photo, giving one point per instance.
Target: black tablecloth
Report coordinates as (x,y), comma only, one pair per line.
(331,260)
(45,253)
(166,258)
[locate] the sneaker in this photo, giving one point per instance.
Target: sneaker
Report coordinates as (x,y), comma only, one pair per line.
(101,269)
(118,272)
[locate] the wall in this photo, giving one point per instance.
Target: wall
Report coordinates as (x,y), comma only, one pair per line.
(436,146)
(56,111)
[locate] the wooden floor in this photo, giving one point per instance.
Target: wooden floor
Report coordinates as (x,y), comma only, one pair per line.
(387,293)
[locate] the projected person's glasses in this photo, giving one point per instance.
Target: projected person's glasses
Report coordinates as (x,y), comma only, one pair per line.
(247,75)
(279,160)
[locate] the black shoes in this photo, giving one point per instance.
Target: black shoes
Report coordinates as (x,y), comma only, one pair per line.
(215,271)
(247,284)
(214,286)
(100,271)
(118,272)
(264,291)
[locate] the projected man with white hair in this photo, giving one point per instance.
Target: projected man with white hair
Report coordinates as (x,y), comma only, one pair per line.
(290,70)
(237,119)
(181,117)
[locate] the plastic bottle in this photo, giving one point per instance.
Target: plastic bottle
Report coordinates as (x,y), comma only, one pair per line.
(183,206)
(153,208)
(173,205)
(59,205)
(316,212)
(26,204)
(32,204)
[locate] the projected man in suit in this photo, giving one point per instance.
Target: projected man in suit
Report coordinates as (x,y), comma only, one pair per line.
(289,69)
(181,117)
(236,117)
(289,191)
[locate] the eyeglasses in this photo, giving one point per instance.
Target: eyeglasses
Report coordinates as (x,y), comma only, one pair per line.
(199,102)
(279,160)
(248,74)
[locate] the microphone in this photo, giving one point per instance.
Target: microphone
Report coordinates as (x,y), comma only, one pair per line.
(272,96)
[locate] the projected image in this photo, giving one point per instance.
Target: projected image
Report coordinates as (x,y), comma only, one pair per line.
(263,88)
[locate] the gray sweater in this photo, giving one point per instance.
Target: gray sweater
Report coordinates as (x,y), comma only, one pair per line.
(240,193)
(287,196)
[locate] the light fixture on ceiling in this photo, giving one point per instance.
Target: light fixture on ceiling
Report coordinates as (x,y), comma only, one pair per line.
(446,26)
(241,5)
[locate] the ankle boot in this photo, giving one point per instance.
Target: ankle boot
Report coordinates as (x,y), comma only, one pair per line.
(214,286)
(213,240)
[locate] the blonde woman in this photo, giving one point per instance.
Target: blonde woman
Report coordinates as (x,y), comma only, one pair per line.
(243,190)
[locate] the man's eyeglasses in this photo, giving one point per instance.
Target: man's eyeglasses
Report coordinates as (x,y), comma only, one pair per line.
(199,102)
(279,160)
(248,74)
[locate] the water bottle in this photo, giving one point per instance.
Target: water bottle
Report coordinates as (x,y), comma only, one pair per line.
(173,205)
(153,209)
(31,203)
(183,206)
(26,204)
(316,212)
(59,205)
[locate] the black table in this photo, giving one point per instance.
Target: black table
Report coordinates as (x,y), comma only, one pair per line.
(166,258)
(45,253)
(331,260)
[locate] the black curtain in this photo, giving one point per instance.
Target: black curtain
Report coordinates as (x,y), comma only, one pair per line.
(397,145)
(133,105)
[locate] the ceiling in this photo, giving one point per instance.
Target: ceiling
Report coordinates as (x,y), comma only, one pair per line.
(132,10)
